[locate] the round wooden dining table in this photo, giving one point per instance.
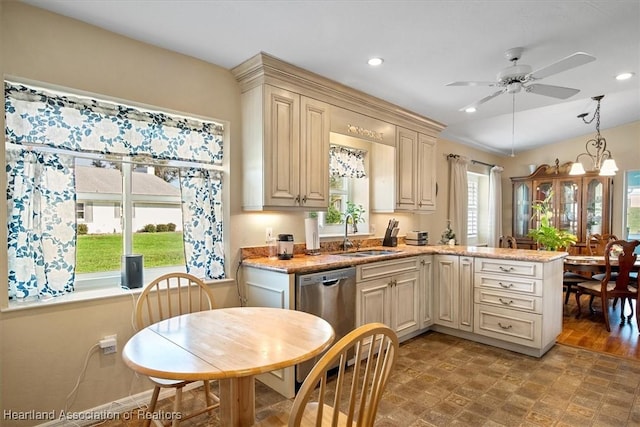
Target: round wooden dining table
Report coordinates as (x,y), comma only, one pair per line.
(231,345)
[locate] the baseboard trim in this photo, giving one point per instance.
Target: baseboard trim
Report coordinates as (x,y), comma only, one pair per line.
(110,411)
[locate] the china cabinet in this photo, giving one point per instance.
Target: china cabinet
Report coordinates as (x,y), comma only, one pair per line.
(581,205)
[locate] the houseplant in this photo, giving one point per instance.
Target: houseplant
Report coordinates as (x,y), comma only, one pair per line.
(357,214)
(546,235)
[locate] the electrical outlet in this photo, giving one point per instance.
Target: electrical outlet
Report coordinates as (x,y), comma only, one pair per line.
(109,344)
(268,234)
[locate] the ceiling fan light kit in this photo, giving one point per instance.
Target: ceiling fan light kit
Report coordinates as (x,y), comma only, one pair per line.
(602,159)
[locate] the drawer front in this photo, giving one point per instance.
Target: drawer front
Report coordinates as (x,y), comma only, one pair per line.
(508,325)
(509,283)
(511,300)
(375,270)
(514,268)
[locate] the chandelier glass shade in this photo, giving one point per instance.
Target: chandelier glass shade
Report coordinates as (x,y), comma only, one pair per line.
(596,149)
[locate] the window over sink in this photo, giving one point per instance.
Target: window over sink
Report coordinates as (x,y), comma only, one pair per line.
(348,187)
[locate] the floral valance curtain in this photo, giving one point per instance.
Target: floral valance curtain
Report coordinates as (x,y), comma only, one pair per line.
(346,162)
(38,116)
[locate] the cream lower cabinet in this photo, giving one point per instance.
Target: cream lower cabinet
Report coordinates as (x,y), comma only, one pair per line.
(264,288)
(389,292)
(518,302)
(426,291)
(453,291)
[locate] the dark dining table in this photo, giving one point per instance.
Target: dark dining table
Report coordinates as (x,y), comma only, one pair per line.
(590,266)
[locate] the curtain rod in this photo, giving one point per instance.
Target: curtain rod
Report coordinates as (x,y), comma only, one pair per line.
(478,162)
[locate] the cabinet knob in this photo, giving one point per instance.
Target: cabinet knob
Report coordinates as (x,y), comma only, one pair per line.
(304,200)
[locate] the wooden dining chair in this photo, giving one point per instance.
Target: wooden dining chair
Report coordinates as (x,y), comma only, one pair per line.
(168,296)
(353,396)
(614,284)
(596,243)
(507,242)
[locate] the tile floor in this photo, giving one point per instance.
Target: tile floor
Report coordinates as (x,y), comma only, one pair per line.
(441,380)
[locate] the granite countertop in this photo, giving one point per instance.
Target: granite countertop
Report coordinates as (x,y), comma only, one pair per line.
(301,263)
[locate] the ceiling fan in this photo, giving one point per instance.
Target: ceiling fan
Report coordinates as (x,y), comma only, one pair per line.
(519,76)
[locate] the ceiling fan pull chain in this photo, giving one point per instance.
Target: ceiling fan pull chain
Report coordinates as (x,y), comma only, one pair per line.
(513,126)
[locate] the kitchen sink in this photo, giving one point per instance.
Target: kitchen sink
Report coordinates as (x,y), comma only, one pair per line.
(373,252)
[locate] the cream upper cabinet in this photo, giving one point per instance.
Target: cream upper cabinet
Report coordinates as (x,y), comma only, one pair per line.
(314,153)
(286,150)
(416,171)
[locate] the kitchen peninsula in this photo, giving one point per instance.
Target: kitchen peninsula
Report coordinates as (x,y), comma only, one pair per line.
(508,298)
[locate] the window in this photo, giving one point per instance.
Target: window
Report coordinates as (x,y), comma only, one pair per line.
(348,187)
(631,218)
(80,211)
(75,161)
(472,206)
(478,208)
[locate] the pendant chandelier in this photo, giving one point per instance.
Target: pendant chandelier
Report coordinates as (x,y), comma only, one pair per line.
(596,149)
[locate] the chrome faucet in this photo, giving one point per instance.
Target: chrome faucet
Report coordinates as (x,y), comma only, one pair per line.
(346,244)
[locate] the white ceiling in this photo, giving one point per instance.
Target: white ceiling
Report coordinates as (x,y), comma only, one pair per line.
(425,44)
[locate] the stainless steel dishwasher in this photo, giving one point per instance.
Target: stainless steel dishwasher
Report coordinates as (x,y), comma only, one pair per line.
(330,295)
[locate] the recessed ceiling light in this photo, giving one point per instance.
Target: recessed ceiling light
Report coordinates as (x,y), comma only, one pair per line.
(470,110)
(624,76)
(374,62)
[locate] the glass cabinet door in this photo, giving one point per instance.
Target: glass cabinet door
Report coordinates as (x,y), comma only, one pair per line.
(568,216)
(521,209)
(542,189)
(594,206)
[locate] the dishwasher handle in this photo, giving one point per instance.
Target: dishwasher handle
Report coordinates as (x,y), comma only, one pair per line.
(331,282)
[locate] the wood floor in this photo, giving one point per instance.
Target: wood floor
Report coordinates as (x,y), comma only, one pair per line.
(590,332)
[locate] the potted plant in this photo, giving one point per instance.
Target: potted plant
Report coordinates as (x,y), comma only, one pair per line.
(448,236)
(546,235)
(357,214)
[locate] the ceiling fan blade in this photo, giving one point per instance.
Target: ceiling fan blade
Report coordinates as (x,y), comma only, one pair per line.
(559,92)
(571,61)
(472,84)
(483,100)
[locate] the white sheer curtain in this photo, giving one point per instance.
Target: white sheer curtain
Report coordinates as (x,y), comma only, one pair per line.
(495,205)
(458,197)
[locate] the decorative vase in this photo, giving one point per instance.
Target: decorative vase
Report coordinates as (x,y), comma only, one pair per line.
(452,242)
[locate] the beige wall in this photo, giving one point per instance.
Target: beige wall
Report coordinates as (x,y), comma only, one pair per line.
(42,350)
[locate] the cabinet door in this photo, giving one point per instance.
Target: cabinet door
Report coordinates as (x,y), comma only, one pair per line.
(407,155)
(373,302)
(314,153)
(597,206)
(282,147)
(521,209)
(466,293)
(426,291)
(446,297)
(426,173)
(405,299)
(568,202)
